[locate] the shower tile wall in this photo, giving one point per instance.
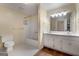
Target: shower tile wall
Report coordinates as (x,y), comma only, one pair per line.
(31,27)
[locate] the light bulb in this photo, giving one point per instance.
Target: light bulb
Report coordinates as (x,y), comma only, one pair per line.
(59,14)
(53,16)
(56,14)
(64,13)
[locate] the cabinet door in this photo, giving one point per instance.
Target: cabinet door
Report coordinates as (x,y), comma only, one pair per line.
(66,44)
(45,40)
(58,42)
(71,45)
(74,47)
(48,41)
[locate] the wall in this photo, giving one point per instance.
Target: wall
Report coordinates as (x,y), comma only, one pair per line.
(43,24)
(11,23)
(77,18)
(31,27)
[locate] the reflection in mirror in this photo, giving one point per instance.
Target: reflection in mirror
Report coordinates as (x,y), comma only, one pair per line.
(60,21)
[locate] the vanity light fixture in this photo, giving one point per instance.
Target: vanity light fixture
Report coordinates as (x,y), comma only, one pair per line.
(56,15)
(64,13)
(53,15)
(60,14)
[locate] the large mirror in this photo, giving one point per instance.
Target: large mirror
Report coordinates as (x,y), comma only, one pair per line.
(60,21)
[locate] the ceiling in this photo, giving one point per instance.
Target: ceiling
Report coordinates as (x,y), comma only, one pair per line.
(28,8)
(32,8)
(51,6)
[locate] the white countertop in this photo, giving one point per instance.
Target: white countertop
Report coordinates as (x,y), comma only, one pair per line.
(62,33)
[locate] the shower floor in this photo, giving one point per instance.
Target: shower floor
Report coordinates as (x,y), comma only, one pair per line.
(23,50)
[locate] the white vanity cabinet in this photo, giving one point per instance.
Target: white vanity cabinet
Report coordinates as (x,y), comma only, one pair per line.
(48,41)
(52,41)
(67,44)
(57,42)
(71,45)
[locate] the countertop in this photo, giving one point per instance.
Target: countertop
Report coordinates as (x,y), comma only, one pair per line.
(65,33)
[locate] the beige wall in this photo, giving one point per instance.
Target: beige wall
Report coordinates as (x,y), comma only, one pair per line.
(77,18)
(43,22)
(11,22)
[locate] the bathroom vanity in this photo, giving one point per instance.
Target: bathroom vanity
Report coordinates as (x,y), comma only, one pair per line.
(63,33)
(67,42)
